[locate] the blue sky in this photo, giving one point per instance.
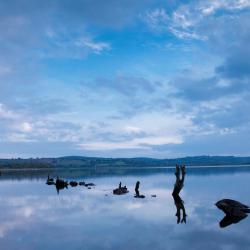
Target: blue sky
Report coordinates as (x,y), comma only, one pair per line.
(124,78)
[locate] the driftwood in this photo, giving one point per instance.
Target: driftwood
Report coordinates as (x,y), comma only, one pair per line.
(137,192)
(179,203)
(179,183)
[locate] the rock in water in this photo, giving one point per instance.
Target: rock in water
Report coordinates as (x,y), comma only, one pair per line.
(228,220)
(140,196)
(119,191)
(73,183)
(89,184)
(232,207)
(50,182)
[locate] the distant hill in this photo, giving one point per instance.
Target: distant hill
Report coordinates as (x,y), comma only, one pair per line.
(84,162)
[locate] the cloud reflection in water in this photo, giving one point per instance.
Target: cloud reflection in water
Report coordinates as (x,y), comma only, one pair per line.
(33,216)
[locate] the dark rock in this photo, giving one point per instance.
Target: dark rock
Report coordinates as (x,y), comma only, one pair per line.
(119,191)
(140,196)
(234,210)
(73,183)
(50,179)
(89,184)
(137,192)
(50,182)
(61,184)
(228,220)
(232,207)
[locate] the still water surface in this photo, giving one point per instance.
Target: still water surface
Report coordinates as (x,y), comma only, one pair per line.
(34,216)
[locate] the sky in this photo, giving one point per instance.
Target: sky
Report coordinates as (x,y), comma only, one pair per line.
(124,78)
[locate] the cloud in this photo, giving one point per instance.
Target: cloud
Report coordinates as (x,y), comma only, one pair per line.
(4,70)
(186,21)
(97,47)
(133,129)
(43,106)
(140,143)
(178,23)
(86,73)
(186,34)
(143,134)
(210,7)
(26,127)
(196,89)
(70,44)
(221,94)
(237,66)
(20,127)
(157,19)
(127,85)
(6,113)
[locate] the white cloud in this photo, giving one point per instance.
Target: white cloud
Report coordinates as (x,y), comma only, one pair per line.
(210,7)
(186,34)
(8,226)
(146,130)
(225,131)
(5,113)
(178,23)
(97,47)
(27,211)
(157,19)
(64,43)
(139,143)
(5,70)
(17,137)
(133,129)
(184,18)
(26,127)
(132,206)
(184,21)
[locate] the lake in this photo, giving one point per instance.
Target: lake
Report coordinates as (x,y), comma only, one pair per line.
(34,216)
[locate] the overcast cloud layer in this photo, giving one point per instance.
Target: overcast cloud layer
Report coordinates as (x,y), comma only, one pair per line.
(124,78)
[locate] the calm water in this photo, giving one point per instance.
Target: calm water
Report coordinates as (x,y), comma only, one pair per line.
(34,216)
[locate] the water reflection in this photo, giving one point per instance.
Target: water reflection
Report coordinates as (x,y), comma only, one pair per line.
(234,210)
(33,216)
(230,219)
(60,185)
(179,203)
(40,174)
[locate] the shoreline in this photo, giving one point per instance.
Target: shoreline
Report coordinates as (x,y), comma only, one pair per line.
(117,168)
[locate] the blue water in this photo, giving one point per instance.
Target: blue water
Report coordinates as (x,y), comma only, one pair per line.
(34,216)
